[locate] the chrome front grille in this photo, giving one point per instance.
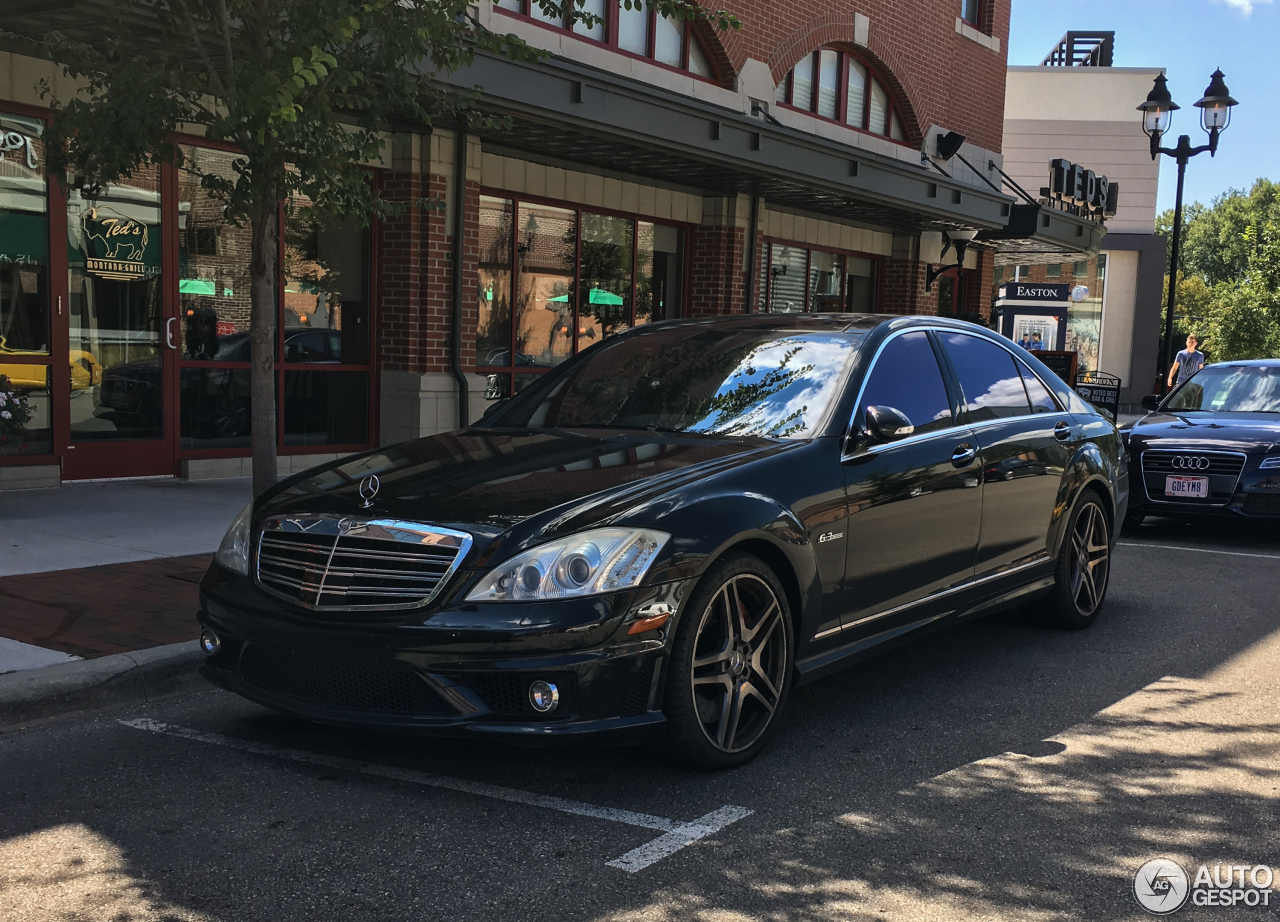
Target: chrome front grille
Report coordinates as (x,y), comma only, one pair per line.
(331,563)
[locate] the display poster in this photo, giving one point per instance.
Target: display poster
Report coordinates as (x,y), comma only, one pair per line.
(1036,332)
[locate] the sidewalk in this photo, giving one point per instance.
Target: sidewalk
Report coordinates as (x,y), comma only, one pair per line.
(94,569)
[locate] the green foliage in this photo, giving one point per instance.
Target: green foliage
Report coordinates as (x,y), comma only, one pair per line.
(1243,323)
(1229,273)
(1216,243)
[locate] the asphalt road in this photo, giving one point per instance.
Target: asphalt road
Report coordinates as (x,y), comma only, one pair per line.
(990,771)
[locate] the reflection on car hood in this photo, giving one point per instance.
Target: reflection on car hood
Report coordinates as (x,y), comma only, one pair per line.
(531,483)
(1208,431)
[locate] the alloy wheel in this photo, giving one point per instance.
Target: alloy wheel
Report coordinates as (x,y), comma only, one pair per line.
(1091,559)
(739,663)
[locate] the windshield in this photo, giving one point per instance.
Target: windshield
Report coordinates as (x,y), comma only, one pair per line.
(727,381)
(1231,389)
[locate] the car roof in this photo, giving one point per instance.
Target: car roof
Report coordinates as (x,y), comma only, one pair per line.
(1248,363)
(827,322)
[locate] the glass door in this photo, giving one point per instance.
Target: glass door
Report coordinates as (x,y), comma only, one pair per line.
(122,332)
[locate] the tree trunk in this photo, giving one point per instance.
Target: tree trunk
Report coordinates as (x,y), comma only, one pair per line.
(263,263)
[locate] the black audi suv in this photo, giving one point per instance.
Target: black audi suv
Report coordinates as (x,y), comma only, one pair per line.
(1212,447)
(670,531)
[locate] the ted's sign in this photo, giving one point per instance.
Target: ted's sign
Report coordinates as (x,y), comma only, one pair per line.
(1081,191)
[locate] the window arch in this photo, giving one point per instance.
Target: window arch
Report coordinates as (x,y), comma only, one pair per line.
(641,32)
(840,86)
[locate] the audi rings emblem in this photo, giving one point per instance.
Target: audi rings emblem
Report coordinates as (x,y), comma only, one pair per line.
(369,489)
(1181,463)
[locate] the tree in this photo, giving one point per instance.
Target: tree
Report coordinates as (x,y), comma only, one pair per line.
(304,88)
(1214,245)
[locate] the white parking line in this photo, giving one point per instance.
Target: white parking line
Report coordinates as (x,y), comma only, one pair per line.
(676,835)
(1198,550)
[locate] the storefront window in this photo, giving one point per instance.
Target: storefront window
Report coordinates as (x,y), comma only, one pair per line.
(493,295)
(213,265)
(114,313)
(787,269)
(544,304)
(658,281)
(326,292)
(325,321)
(1084,317)
(804,280)
(579,278)
(25,317)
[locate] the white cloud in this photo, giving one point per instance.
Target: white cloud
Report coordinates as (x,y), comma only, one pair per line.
(1244,6)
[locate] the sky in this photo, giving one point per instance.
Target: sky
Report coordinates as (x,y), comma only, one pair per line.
(1189,38)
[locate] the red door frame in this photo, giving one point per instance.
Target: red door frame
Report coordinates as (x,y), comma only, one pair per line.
(90,460)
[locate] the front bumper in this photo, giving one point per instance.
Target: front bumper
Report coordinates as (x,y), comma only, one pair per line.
(440,677)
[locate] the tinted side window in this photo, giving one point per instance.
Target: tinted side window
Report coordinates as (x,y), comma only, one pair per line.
(906,377)
(1041,400)
(990,380)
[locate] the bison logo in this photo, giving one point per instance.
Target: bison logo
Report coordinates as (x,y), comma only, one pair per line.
(115,244)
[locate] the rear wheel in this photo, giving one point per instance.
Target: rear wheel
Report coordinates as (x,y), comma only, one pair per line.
(731,666)
(1084,569)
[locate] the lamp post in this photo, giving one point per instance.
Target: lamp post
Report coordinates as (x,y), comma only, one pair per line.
(1157,116)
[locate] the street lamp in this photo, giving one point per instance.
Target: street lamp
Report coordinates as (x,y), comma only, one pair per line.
(1157,116)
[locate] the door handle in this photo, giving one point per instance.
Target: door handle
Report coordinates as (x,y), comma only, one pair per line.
(1062,432)
(168,332)
(963,455)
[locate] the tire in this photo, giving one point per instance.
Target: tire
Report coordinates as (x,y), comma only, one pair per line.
(1084,569)
(730,671)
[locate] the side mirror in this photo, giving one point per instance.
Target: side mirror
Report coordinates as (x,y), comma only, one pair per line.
(497,387)
(886,424)
(1151,402)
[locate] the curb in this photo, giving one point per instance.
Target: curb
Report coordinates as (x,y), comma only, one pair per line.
(86,687)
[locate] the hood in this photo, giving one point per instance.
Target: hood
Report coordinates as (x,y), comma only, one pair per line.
(533,484)
(1224,431)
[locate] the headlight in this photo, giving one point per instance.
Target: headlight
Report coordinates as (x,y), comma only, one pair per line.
(233,553)
(1270,464)
(590,563)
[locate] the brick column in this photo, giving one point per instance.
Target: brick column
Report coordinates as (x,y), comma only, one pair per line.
(902,290)
(717,263)
(401,242)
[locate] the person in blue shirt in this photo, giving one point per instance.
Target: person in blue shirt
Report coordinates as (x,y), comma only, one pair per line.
(1037,344)
(1189,361)
(1026,341)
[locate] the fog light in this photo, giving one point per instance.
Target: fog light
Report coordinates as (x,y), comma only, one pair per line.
(544,696)
(210,643)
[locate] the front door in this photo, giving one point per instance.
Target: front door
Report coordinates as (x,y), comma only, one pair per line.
(1026,442)
(914,504)
(122,333)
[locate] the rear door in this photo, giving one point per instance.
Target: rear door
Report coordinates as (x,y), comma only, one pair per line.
(1026,441)
(914,504)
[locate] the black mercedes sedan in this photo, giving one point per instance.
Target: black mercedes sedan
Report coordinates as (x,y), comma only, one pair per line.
(1212,447)
(669,532)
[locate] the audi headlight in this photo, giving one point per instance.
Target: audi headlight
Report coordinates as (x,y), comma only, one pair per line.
(1270,464)
(233,553)
(590,563)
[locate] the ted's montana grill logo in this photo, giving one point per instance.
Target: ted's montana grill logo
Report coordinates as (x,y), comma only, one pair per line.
(115,244)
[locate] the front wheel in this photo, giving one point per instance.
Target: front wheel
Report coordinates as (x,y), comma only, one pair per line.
(1084,568)
(731,666)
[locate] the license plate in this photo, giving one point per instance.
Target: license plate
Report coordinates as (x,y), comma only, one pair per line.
(1177,487)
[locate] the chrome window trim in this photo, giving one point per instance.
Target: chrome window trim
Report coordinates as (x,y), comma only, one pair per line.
(967,427)
(1142,470)
(940,594)
(862,389)
(338,526)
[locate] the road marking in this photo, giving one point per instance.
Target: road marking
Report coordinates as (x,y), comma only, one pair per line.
(640,858)
(1198,550)
(676,835)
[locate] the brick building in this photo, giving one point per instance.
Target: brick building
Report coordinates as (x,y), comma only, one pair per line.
(647,170)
